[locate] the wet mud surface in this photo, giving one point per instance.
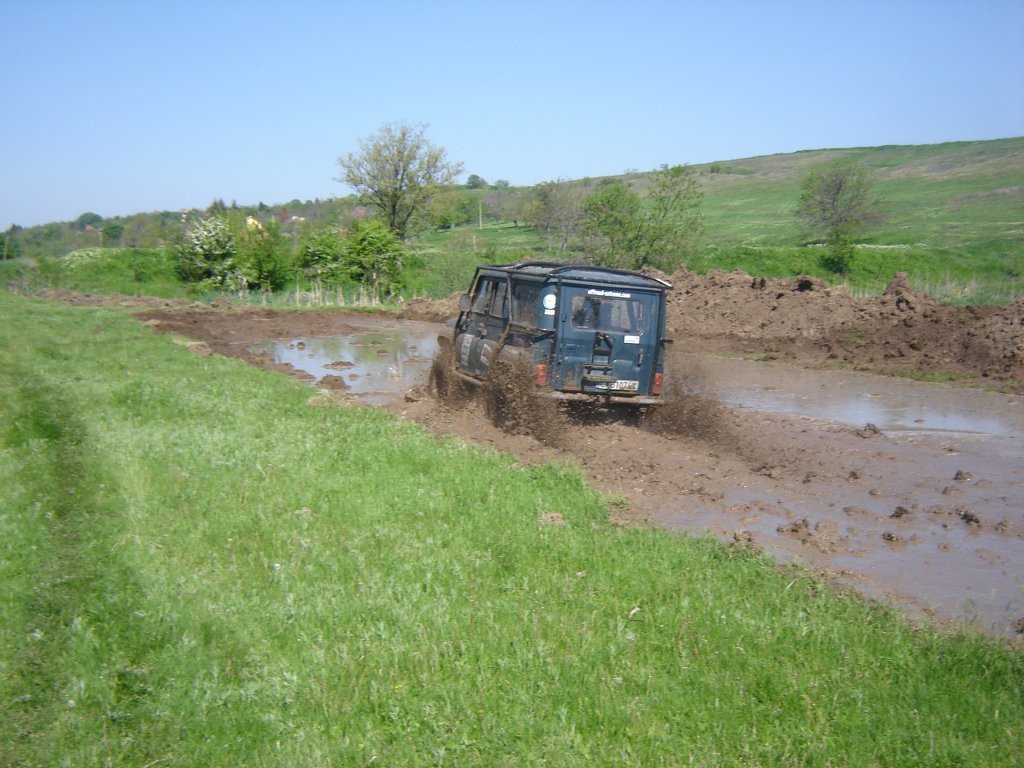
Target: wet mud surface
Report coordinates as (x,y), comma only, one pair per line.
(910,493)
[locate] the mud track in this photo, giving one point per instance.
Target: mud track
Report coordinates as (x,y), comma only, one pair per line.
(930,522)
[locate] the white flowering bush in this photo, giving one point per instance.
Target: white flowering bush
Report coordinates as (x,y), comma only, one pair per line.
(208,254)
(83,259)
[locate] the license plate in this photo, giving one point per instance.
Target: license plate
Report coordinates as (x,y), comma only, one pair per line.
(625,385)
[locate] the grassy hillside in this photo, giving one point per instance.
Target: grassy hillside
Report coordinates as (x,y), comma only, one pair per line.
(953,218)
(203,566)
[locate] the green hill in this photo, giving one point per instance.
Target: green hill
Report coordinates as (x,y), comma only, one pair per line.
(964,197)
(953,218)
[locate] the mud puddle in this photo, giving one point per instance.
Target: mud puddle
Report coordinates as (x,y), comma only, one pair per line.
(378,362)
(858,399)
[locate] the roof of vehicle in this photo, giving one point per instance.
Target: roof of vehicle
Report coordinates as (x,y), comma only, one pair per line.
(581,272)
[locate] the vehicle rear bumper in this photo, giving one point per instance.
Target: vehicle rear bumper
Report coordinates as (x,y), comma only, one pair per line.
(616,399)
(582,397)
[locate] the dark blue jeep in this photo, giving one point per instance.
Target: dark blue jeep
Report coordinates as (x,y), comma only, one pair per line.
(582,332)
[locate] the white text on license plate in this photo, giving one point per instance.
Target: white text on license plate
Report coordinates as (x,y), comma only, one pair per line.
(625,385)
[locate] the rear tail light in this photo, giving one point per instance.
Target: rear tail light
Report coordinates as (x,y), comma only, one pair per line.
(541,372)
(656,389)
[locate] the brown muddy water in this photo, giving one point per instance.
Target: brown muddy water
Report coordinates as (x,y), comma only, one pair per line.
(382,361)
(934,520)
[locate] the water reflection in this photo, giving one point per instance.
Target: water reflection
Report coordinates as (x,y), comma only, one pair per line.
(857,399)
(387,359)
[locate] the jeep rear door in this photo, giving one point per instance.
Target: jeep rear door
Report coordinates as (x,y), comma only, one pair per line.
(608,340)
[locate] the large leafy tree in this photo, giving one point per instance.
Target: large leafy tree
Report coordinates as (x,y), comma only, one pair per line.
(556,209)
(373,257)
(627,231)
(614,225)
(836,205)
(398,171)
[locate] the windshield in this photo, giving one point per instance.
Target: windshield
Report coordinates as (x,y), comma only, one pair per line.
(616,314)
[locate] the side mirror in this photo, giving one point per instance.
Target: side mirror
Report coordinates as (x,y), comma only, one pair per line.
(465,302)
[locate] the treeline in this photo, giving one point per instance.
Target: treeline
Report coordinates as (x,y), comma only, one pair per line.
(157,229)
(626,223)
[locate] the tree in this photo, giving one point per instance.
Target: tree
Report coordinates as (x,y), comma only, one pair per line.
(628,232)
(321,254)
(112,232)
(263,260)
(10,247)
(614,224)
(88,219)
(556,209)
(476,182)
(836,205)
(450,208)
(398,171)
(674,217)
(506,204)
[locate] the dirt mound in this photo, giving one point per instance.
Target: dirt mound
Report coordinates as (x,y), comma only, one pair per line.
(78,299)
(804,320)
(430,311)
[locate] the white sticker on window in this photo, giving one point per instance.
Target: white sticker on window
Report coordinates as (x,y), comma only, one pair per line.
(632,339)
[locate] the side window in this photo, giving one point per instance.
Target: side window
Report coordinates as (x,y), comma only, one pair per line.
(499,304)
(484,294)
(524,302)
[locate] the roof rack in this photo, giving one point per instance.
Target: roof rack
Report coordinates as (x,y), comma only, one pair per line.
(561,267)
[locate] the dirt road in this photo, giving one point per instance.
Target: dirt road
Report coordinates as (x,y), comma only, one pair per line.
(927,517)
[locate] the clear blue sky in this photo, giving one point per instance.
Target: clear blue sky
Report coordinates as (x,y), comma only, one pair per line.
(121,107)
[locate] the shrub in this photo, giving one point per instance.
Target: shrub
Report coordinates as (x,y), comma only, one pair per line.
(320,256)
(263,258)
(207,254)
(373,257)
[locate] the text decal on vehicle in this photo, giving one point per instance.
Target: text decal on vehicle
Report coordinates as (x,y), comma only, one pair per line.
(613,294)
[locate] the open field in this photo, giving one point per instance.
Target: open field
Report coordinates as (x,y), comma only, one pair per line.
(209,564)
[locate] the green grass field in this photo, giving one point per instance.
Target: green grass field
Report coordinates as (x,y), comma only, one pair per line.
(204,563)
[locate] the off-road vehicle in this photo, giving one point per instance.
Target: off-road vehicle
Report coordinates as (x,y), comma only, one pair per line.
(578,332)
